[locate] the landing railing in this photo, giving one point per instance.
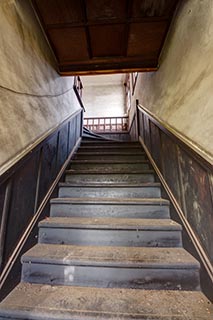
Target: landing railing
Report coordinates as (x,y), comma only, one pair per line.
(107,124)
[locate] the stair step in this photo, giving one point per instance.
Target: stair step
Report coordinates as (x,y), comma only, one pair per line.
(109,235)
(109,166)
(110,176)
(97,207)
(111,170)
(112,149)
(117,156)
(103,266)
(146,190)
(107,162)
(110,232)
(110,143)
(39,302)
(88,137)
(112,146)
(110,184)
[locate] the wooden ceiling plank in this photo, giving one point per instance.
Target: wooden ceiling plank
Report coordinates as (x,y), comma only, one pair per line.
(103,60)
(98,10)
(60,11)
(145,40)
(89,47)
(136,65)
(108,40)
(44,29)
(104,22)
(93,36)
(70,44)
(105,71)
(128,15)
(153,8)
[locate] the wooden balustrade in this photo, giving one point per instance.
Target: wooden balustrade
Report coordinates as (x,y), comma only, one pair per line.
(107,124)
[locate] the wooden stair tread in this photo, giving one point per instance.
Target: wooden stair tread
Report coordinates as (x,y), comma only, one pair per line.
(114,152)
(124,257)
(151,201)
(85,161)
(109,184)
(108,171)
(34,301)
(103,146)
(110,223)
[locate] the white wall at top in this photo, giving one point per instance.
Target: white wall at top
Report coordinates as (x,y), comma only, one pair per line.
(33,97)
(103,95)
(181,92)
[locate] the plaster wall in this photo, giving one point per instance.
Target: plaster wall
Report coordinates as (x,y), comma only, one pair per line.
(33,98)
(180,93)
(103,96)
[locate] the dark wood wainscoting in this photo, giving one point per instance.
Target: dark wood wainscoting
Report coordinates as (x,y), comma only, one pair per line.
(133,129)
(190,179)
(24,186)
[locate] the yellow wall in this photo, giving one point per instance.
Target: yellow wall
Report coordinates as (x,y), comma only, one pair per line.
(181,92)
(33,97)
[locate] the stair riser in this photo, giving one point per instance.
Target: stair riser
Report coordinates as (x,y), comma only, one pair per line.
(102,192)
(144,278)
(127,238)
(106,178)
(116,157)
(109,210)
(110,167)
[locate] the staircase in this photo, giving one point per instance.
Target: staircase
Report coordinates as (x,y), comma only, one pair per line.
(109,249)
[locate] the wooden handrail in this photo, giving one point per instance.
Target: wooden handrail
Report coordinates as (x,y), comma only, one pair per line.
(78,88)
(195,148)
(203,256)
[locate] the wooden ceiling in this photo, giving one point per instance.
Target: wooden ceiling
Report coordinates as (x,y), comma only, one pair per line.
(104,36)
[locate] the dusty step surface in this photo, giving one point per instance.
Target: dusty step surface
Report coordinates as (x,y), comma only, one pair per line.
(102,207)
(39,302)
(124,145)
(116,150)
(81,176)
(110,232)
(119,143)
(108,161)
(116,146)
(110,170)
(109,156)
(163,258)
(109,166)
(111,223)
(146,190)
(129,267)
(110,184)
